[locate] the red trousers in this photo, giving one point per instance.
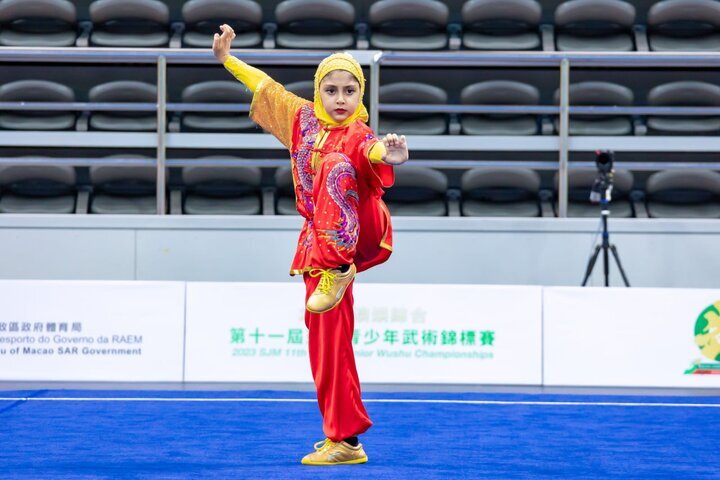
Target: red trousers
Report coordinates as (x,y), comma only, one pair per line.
(332,359)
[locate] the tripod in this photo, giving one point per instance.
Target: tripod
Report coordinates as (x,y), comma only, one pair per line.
(605,246)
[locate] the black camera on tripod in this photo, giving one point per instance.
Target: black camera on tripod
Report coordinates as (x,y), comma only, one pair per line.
(601,190)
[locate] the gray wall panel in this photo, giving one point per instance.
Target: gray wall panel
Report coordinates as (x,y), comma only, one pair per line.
(655,253)
(216,255)
(67,254)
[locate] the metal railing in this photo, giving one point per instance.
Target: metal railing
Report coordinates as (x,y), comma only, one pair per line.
(563,143)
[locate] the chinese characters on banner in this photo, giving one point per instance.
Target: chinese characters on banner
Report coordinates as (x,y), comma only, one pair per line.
(403,333)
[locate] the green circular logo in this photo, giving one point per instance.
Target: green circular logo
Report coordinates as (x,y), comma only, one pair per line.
(707,332)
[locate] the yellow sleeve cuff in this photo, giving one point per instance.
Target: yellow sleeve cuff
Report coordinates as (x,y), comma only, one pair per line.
(248,75)
(377,152)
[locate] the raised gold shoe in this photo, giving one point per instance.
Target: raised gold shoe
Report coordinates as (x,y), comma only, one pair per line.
(328,452)
(331,288)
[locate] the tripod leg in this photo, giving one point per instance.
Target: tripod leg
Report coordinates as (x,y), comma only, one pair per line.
(591,264)
(617,260)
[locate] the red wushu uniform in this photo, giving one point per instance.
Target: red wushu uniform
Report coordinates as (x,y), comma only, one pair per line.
(338,191)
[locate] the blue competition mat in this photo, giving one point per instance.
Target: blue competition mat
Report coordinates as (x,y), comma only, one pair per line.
(263,434)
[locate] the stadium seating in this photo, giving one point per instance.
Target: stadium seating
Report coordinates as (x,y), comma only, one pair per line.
(324,24)
(217,91)
(201,19)
(122,91)
(485,25)
(123,189)
(499,92)
(37,189)
(683,193)
(36,91)
(595,25)
(221,190)
(413,123)
(505,25)
(500,192)
(503,28)
(284,192)
(598,94)
(408,25)
(130,23)
(684,26)
(684,94)
(38,23)
(418,191)
(580,182)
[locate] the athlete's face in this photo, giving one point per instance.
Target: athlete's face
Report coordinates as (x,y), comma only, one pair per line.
(340,94)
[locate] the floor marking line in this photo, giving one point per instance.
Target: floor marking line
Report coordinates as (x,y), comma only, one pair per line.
(368,400)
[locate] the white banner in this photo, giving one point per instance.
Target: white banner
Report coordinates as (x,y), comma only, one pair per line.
(246,332)
(91,331)
(449,334)
(254,332)
(632,337)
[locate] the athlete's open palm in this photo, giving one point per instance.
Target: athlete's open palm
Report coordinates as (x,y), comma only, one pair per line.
(395,148)
(221,43)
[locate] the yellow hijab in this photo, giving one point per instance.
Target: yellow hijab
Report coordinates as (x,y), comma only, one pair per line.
(339,61)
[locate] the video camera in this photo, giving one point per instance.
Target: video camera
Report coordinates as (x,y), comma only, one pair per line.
(601,190)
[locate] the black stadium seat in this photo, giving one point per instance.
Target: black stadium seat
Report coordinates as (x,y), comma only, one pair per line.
(418,191)
(284,192)
(501,25)
(323,24)
(221,190)
(202,18)
(124,91)
(130,23)
(500,192)
(36,91)
(409,25)
(123,189)
(595,25)
(684,26)
(413,123)
(683,193)
(37,189)
(598,94)
(37,23)
(684,94)
(499,92)
(221,92)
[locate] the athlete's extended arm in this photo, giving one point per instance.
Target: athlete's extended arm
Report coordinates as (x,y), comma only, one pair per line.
(248,75)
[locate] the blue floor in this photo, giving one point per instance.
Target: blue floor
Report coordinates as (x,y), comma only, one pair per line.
(74,439)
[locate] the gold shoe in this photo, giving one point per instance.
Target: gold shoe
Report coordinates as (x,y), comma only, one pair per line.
(330,290)
(328,452)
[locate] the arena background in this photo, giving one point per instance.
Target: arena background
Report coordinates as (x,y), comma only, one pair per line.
(150,329)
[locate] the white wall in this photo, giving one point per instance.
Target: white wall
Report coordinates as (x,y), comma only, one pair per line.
(655,253)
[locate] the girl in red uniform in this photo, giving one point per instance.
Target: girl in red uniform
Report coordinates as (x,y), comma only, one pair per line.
(339,170)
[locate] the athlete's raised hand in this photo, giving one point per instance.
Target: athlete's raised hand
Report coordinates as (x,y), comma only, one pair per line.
(396,151)
(221,43)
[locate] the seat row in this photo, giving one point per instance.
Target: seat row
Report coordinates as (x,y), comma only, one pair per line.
(578,25)
(514,93)
(418,191)
(491,93)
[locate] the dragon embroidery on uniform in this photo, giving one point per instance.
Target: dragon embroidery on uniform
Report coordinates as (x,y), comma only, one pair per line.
(309,127)
(345,235)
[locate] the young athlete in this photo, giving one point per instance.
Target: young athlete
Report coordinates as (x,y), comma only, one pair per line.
(339,170)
